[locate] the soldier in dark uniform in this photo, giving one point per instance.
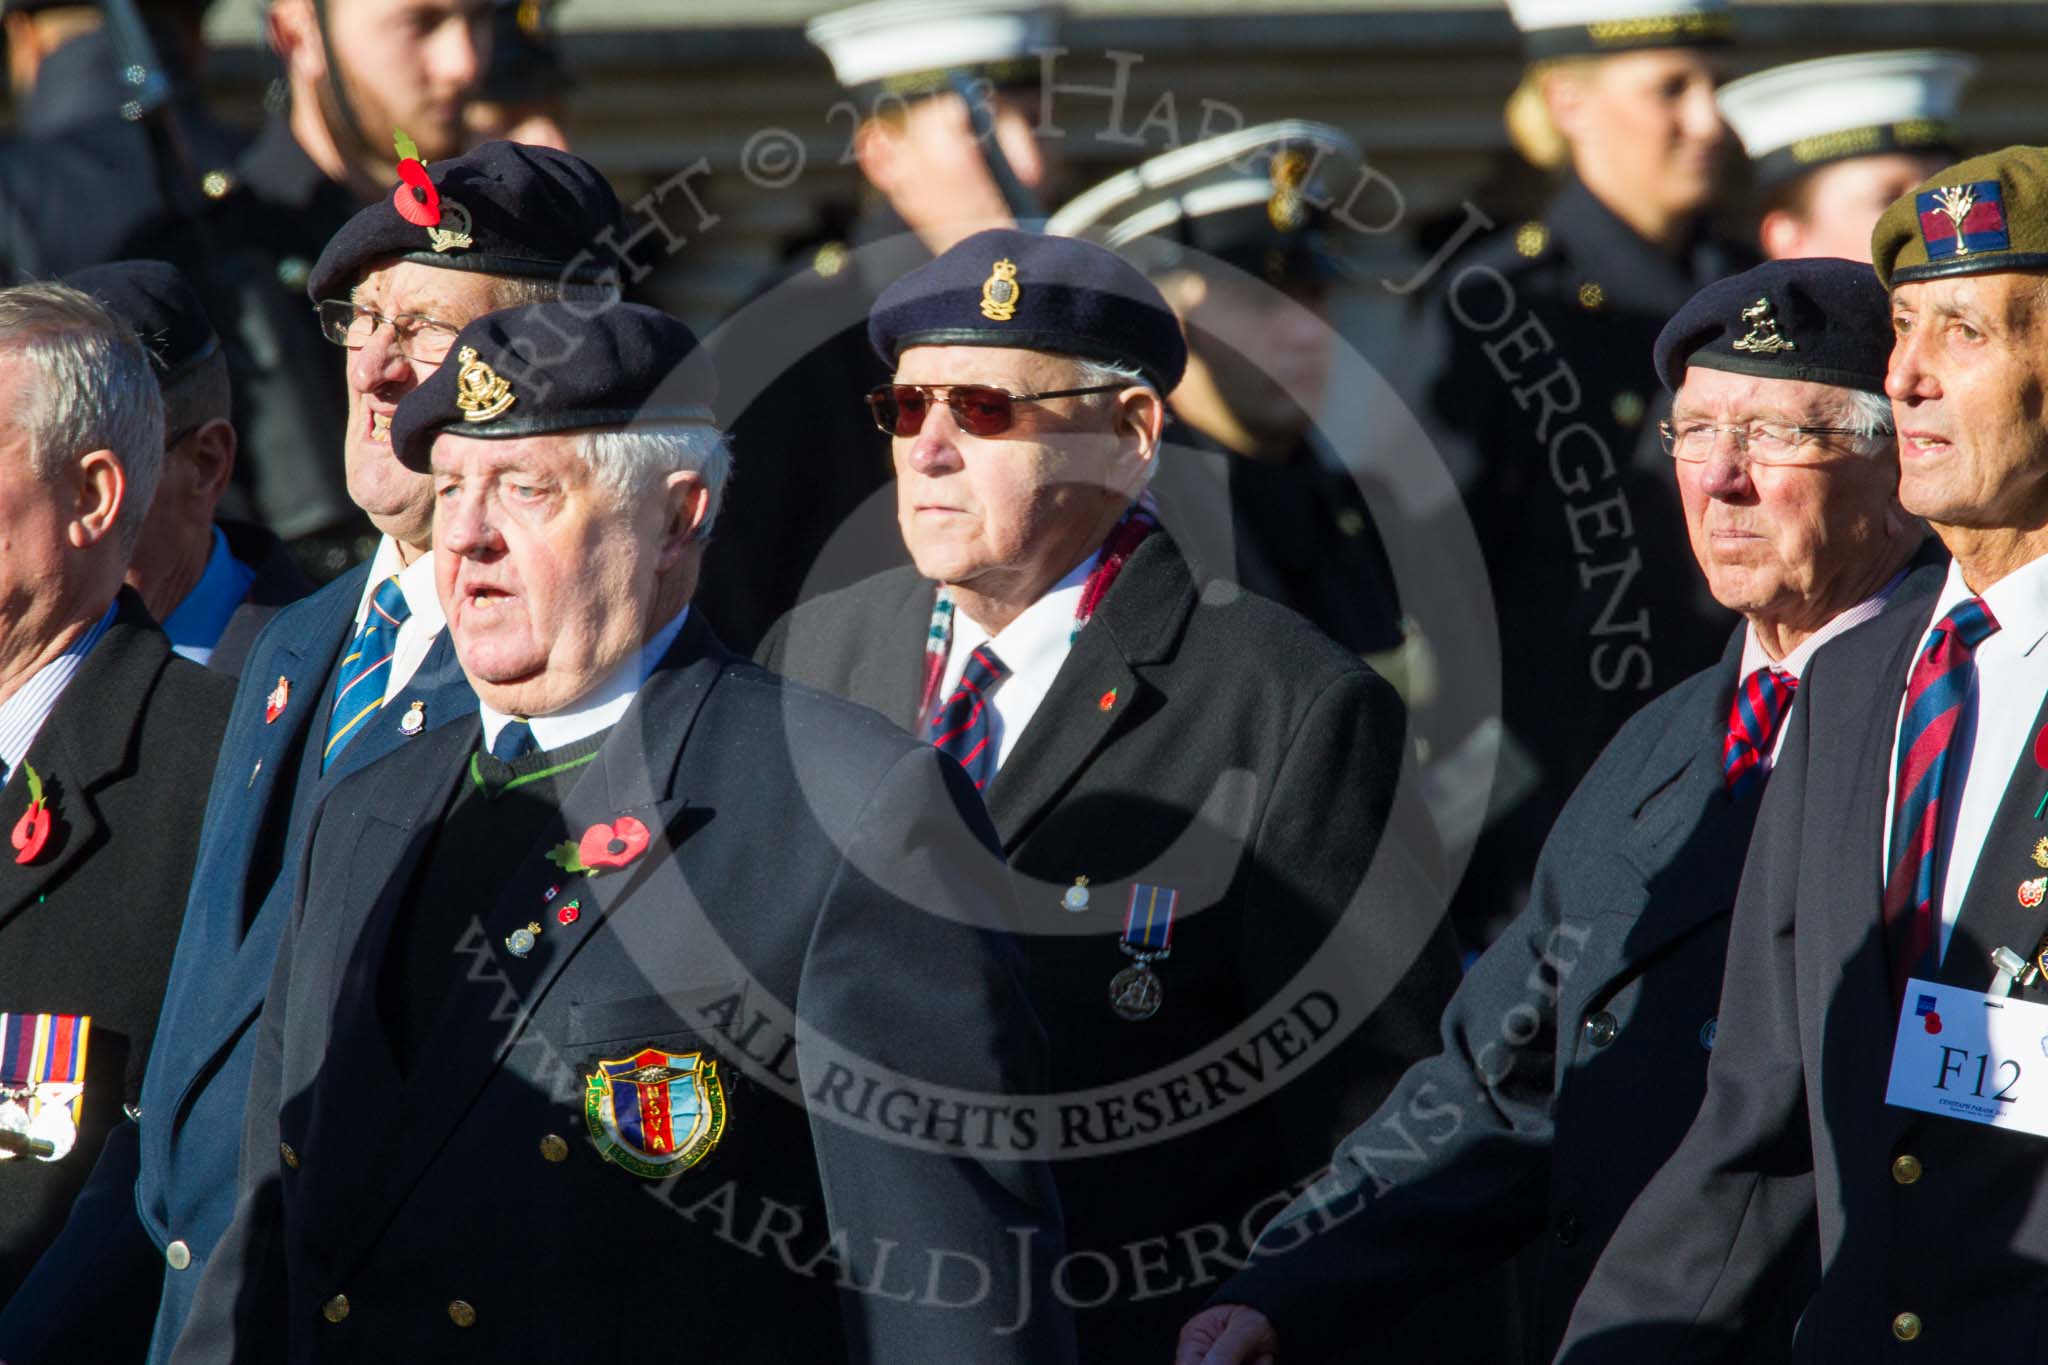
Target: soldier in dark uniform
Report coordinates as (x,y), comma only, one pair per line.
(1197,790)
(1534,379)
(350,82)
(79,183)
(212,585)
(1832,142)
(1233,231)
(796,358)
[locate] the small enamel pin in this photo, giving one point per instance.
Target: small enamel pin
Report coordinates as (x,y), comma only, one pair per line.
(2034,892)
(1076,898)
(520,941)
(569,913)
(280,696)
(414,720)
(2041,853)
(1106,700)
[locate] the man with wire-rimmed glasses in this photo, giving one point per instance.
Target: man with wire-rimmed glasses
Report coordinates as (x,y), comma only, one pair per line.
(1575,1051)
(343,676)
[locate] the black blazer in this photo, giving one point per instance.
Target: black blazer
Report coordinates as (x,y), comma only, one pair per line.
(88,927)
(1794,1138)
(1221,747)
(790,834)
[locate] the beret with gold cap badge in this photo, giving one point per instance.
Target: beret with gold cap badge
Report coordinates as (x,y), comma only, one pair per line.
(552,367)
(502,208)
(1987,213)
(1818,319)
(1010,288)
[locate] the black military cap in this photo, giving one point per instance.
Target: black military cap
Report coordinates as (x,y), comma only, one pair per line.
(162,308)
(1022,290)
(503,208)
(551,367)
(1821,319)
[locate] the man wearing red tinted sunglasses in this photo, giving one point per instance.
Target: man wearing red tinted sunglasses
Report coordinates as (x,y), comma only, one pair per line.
(1191,783)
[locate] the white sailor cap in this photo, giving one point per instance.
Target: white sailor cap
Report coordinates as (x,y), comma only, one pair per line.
(1794,118)
(1577,28)
(912,47)
(1258,198)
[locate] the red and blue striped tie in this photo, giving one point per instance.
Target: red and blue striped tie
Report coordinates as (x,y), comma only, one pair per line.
(961,727)
(1760,703)
(1931,755)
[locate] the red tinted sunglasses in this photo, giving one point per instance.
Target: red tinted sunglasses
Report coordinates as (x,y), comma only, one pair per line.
(900,409)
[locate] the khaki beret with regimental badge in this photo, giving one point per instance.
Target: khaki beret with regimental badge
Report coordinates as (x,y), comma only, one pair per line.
(1987,213)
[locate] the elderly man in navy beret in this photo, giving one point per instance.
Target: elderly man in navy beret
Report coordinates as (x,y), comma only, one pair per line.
(580,993)
(1575,1052)
(1194,785)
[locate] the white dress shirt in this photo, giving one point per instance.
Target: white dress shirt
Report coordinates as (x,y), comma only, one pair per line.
(1796,659)
(22,715)
(416,633)
(2012,677)
(1032,647)
(600,707)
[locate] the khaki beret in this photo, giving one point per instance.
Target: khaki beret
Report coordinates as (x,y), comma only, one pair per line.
(1987,213)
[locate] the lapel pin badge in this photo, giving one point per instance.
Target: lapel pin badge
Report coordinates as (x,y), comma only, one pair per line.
(414,720)
(32,830)
(569,913)
(1075,900)
(280,696)
(520,941)
(1106,701)
(2032,893)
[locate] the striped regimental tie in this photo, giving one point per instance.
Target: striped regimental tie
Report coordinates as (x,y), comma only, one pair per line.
(1760,706)
(1932,754)
(365,669)
(961,727)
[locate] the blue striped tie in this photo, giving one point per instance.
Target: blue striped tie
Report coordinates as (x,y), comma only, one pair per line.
(365,669)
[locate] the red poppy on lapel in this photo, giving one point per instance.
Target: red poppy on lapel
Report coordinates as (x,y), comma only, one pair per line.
(602,846)
(32,830)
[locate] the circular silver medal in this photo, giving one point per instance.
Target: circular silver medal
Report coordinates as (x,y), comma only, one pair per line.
(1135,993)
(519,942)
(1076,898)
(53,1125)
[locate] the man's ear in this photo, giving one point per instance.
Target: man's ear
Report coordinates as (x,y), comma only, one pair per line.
(1781,235)
(294,33)
(689,508)
(211,449)
(1140,417)
(100,486)
(878,147)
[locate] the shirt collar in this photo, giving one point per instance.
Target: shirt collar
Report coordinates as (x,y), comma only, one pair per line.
(196,623)
(599,708)
(415,580)
(1796,659)
(1039,631)
(2018,602)
(22,715)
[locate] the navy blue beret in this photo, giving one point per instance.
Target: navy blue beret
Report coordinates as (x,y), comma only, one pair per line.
(1820,319)
(160,306)
(1030,292)
(505,209)
(550,367)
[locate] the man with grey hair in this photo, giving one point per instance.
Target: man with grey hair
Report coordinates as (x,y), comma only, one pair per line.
(589,918)
(1575,1052)
(104,739)
(335,681)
